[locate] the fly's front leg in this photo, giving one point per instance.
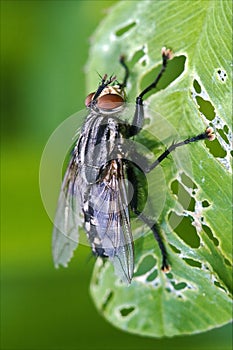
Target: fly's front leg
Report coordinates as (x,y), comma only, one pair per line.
(138,119)
(122,62)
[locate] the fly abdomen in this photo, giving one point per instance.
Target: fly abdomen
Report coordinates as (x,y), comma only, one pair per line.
(101,228)
(104,211)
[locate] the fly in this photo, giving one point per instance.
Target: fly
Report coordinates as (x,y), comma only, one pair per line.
(102,181)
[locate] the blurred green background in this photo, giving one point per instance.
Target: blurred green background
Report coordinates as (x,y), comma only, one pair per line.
(44,48)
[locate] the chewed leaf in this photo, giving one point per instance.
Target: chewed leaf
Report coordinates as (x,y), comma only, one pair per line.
(196,215)
(63,248)
(67,219)
(187,300)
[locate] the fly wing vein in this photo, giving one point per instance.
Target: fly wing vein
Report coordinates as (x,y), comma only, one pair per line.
(109,207)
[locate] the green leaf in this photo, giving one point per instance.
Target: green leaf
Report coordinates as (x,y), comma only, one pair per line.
(194,210)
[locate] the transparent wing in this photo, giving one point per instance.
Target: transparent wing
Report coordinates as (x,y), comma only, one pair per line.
(123,261)
(67,219)
(110,233)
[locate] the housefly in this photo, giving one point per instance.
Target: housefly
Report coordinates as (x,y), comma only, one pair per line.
(102,182)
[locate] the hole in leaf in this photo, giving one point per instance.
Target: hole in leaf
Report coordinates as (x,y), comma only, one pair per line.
(206,107)
(125,29)
(215,148)
(175,186)
(226,129)
(126,311)
(179,286)
(107,300)
(184,229)
(174,69)
(169,275)
(209,233)
(227,262)
(205,204)
(175,249)
(145,265)
(192,262)
(197,86)
(183,196)
(187,181)
(136,57)
(223,135)
(216,283)
(152,276)
(222,75)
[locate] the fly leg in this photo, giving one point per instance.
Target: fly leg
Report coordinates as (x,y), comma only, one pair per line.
(134,129)
(155,229)
(134,205)
(132,176)
(138,119)
(207,135)
(122,62)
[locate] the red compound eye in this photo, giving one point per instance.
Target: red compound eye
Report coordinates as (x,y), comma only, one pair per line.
(110,101)
(89,99)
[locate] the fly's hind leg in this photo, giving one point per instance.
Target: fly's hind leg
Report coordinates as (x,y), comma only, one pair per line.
(209,135)
(134,205)
(155,229)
